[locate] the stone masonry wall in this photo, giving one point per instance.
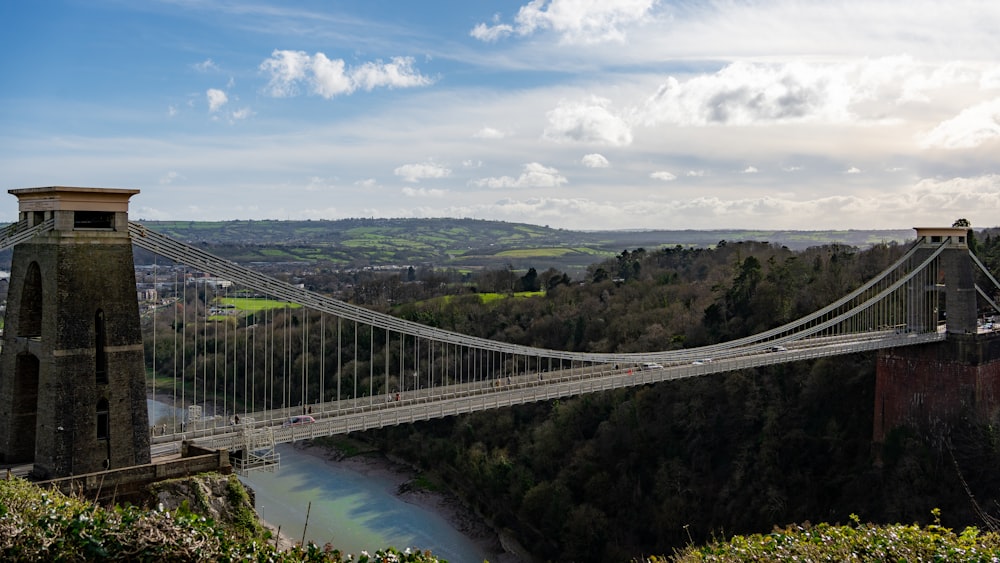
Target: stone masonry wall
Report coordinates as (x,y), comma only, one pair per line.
(931,386)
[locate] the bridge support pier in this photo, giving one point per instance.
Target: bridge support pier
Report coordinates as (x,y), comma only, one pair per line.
(72,379)
(931,386)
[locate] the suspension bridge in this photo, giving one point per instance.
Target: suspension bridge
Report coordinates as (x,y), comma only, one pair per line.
(317,366)
(455,374)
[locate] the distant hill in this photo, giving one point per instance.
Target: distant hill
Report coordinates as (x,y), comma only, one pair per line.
(466,243)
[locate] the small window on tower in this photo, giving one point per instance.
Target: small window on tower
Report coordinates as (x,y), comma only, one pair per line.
(103,420)
(101,356)
(93,220)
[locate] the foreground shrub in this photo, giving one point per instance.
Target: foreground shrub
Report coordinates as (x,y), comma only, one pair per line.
(44,525)
(855,542)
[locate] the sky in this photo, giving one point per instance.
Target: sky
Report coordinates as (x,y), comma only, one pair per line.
(575,114)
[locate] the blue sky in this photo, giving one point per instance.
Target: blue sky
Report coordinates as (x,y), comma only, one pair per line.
(578,114)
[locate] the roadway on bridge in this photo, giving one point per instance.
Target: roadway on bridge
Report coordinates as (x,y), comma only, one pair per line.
(364,413)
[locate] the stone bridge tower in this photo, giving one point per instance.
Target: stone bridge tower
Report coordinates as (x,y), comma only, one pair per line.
(931,386)
(72,385)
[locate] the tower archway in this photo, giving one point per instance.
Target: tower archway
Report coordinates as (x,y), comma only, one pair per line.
(30,310)
(24,410)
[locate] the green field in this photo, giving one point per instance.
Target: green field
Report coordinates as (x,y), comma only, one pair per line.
(484,298)
(490,297)
(252,304)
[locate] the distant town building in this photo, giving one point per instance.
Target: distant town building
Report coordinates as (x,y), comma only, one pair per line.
(214,283)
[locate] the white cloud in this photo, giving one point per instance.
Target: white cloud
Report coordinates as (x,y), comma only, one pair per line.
(588,121)
(216,99)
(750,170)
(366,183)
(240,114)
(318,184)
(489,33)
(972,127)
(423,192)
(489,133)
(975,198)
(853,170)
(206,66)
(752,93)
(286,69)
(326,77)
(575,21)
(172,110)
(535,175)
(695,173)
(417,172)
(990,79)
(169,178)
(594,160)
(919,83)
(398,73)
(663,175)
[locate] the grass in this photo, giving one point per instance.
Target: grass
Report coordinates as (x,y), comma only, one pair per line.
(484,298)
(487,298)
(252,305)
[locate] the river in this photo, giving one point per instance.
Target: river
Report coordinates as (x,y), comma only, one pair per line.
(351,510)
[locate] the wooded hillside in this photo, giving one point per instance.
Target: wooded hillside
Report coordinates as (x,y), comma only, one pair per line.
(609,476)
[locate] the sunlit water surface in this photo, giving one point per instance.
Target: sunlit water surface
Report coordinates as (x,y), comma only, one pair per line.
(350,510)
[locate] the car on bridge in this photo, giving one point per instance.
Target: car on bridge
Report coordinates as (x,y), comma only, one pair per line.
(650,365)
(299,420)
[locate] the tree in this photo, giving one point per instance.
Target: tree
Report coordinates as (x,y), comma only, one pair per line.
(529,281)
(744,286)
(970,234)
